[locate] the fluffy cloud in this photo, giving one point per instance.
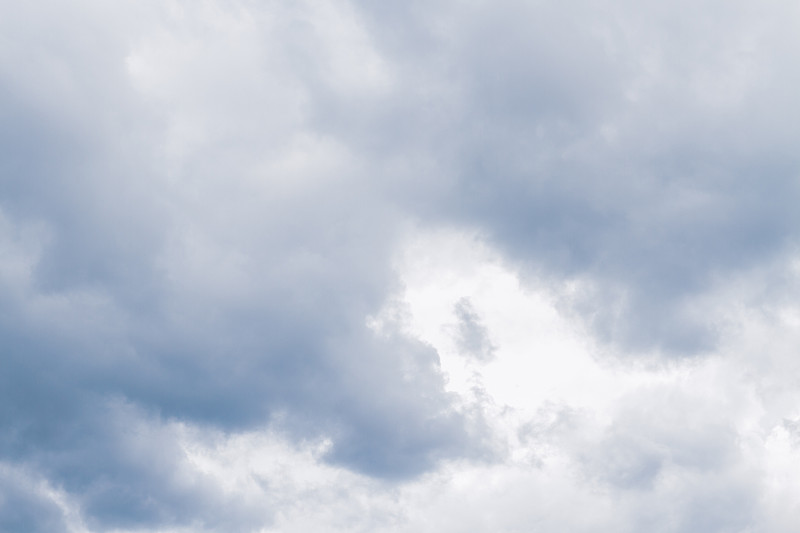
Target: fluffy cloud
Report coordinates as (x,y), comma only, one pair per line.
(403,248)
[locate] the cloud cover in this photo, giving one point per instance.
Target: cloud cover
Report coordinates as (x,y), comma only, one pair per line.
(202,206)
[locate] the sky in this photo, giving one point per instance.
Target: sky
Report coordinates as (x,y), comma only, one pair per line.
(399,266)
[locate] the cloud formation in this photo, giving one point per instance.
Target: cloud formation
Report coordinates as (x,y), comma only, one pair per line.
(405,247)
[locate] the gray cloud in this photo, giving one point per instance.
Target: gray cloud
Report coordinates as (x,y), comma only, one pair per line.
(23,507)
(472,337)
(605,144)
(203,273)
(200,206)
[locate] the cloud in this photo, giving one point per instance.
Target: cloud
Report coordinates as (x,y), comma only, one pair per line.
(472,335)
(203,214)
(181,238)
(24,506)
(670,445)
(605,145)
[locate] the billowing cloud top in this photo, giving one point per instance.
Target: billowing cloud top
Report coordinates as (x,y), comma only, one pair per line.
(344,266)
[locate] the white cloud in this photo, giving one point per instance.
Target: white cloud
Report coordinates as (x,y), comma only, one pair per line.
(406,266)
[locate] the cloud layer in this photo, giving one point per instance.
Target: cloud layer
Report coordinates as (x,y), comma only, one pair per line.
(402,248)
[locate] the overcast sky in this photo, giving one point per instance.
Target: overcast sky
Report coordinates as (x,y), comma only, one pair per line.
(400,266)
